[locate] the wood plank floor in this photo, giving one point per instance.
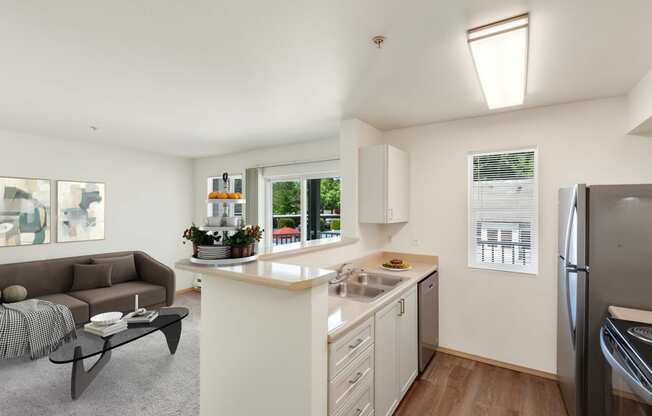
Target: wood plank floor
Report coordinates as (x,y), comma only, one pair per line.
(453,386)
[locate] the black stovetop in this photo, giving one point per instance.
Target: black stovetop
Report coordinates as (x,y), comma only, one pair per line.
(639,350)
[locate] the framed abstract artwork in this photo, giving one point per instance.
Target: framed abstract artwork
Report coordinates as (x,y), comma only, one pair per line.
(80,211)
(25,211)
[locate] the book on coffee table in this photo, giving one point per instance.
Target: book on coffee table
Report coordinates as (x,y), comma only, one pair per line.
(146,318)
(105,330)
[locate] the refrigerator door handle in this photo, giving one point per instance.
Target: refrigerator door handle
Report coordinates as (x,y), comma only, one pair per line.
(568,310)
(569,224)
(641,390)
(568,268)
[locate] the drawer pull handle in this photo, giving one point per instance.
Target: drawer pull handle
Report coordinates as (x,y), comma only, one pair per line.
(357,344)
(356,378)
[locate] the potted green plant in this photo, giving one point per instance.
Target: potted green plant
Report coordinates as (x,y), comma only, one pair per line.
(256,234)
(199,238)
(243,241)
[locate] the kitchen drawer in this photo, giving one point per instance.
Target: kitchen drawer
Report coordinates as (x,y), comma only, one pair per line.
(350,383)
(362,405)
(345,350)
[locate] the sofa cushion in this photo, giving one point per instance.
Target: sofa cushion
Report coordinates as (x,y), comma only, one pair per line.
(91,276)
(124,267)
(120,297)
(78,308)
(14,293)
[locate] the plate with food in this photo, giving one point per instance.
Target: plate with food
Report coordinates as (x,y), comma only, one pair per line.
(396,265)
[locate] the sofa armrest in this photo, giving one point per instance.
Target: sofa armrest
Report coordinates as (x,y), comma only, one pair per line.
(157,273)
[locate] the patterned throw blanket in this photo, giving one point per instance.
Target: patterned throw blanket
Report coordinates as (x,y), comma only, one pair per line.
(34,325)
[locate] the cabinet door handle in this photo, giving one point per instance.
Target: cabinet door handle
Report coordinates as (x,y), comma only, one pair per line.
(358,411)
(402,307)
(357,344)
(356,378)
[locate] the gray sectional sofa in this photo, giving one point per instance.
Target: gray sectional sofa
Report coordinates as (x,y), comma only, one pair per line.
(52,280)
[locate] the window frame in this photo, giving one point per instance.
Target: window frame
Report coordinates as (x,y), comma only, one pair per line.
(533,267)
(230,209)
(303,181)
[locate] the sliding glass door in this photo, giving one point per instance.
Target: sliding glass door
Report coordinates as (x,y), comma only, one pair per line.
(323,211)
(302,208)
(286,214)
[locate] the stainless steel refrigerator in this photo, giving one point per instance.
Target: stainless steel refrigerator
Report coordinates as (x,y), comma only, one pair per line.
(605,258)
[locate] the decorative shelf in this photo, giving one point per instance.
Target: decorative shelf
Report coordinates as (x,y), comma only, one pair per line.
(217,229)
(226,201)
(224,262)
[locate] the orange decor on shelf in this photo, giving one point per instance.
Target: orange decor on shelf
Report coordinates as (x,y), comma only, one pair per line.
(224,195)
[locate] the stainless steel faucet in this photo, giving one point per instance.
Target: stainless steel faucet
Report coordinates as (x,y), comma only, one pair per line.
(341,276)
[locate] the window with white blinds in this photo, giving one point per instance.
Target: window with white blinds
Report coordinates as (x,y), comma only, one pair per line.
(503,211)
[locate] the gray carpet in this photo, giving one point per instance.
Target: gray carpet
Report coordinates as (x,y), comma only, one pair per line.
(142,378)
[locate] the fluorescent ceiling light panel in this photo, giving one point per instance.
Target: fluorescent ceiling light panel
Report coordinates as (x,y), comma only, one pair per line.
(499,53)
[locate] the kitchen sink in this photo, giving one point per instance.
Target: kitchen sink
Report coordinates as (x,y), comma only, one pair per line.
(355,291)
(364,287)
(376,280)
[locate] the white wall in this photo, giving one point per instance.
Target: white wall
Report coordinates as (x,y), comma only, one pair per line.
(506,316)
(148,196)
(237,163)
(354,134)
(639,102)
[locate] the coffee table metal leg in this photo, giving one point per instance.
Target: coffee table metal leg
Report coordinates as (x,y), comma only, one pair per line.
(81,378)
(172,335)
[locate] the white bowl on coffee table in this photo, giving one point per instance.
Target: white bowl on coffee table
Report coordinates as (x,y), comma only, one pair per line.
(107,318)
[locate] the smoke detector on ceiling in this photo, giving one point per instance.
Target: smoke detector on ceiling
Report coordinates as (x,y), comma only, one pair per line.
(378,41)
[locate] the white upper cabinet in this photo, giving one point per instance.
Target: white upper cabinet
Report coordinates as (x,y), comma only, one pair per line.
(383,184)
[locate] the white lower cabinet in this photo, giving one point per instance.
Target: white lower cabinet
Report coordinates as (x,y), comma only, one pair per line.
(347,386)
(396,350)
(408,351)
(386,362)
(363,405)
(372,367)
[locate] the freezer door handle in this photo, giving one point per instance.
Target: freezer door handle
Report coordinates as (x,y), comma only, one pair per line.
(572,268)
(569,224)
(632,380)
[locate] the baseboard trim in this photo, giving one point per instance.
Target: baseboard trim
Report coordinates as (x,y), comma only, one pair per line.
(496,363)
(186,290)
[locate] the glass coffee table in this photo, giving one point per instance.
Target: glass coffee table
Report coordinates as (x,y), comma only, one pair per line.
(87,345)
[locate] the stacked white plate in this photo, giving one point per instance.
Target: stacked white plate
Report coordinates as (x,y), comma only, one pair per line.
(213,252)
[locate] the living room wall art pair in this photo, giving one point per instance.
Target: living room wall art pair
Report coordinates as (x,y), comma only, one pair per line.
(25,211)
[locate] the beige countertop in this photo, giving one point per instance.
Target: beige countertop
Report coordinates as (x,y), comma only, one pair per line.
(271,270)
(627,314)
(265,273)
(344,314)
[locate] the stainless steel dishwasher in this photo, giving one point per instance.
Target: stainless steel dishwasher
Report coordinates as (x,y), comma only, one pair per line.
(428,319)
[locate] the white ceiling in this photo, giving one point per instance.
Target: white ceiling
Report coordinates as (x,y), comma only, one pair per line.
(194,77)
